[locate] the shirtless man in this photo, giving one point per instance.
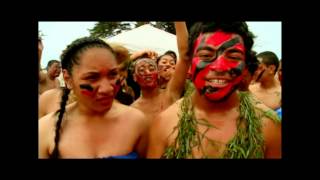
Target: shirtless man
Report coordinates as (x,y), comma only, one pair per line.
(49,79)
(154,100)
(267,88)
(216,121)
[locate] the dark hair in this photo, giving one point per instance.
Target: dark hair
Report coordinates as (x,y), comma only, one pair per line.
(253,63)
(69,57)
(52,62)
(269,58)
(169,53)
(240,28)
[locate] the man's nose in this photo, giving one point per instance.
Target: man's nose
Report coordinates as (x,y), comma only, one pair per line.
(219,64)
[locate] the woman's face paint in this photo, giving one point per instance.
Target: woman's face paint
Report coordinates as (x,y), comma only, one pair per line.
(146,73)
(218,64)
(87,89)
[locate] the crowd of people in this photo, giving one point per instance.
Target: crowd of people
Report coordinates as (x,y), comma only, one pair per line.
(216,98)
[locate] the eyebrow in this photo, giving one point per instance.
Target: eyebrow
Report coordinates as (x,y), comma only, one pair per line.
(229,44)
(235,51)
(205,48)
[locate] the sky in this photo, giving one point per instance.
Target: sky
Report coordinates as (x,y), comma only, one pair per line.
(57,35)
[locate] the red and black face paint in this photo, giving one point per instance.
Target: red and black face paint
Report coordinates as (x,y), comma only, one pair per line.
(87,89)
(219,64)
(202,64)
(146,73)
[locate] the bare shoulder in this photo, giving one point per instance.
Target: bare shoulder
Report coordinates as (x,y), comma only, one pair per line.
(51,93)
(42,77)
(49,101)
(136,103)
(135,115)
(272,136)
(264,110)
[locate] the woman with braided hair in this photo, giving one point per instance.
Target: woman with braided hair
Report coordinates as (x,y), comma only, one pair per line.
(49,101)
(94,126)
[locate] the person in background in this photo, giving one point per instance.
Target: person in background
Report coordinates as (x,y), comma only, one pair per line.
(267,88)
(48,80)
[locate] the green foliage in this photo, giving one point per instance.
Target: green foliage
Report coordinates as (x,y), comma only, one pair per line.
(108,29)
(247,143)
(166,26)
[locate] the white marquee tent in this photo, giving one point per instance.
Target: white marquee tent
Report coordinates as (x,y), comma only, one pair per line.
(146,37)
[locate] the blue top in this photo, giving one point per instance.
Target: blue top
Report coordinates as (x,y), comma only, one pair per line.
(279,112)
(132,155)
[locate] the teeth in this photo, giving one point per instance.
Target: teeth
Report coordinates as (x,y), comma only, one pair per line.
(218,81)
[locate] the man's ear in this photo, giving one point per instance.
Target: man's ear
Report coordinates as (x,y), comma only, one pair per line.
(67,79)
(272,68)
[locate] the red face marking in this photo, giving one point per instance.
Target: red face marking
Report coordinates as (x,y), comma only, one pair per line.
(222,68)
(87,93)
(218,38)
(146,73)
(150,80)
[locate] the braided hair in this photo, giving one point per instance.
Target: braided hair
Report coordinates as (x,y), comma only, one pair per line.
(69,57)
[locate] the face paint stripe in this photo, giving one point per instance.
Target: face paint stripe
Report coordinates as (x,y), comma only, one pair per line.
(86,87)
(227,45)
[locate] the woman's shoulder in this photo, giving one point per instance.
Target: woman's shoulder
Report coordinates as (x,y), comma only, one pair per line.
(129,111)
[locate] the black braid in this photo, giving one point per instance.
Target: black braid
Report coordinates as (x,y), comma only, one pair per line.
(60,112)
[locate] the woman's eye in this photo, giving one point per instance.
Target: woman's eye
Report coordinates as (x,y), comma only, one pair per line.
(91,78)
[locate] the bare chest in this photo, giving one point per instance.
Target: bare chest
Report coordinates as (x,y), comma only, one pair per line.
(96,141)
(272,99)
(212,136)
(152,108)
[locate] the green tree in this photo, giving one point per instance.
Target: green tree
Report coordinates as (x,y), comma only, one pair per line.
(140,23)
(108,29)
(166,26)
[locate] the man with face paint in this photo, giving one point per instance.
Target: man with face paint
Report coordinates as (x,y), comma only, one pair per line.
(216,120)
(49,79)
(267,88)
(153,99)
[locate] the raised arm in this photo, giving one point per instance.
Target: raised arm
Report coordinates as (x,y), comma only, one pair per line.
(40,49)
(177,82)
(149,53)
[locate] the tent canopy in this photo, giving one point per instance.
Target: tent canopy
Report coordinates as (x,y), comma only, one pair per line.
(146,37)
